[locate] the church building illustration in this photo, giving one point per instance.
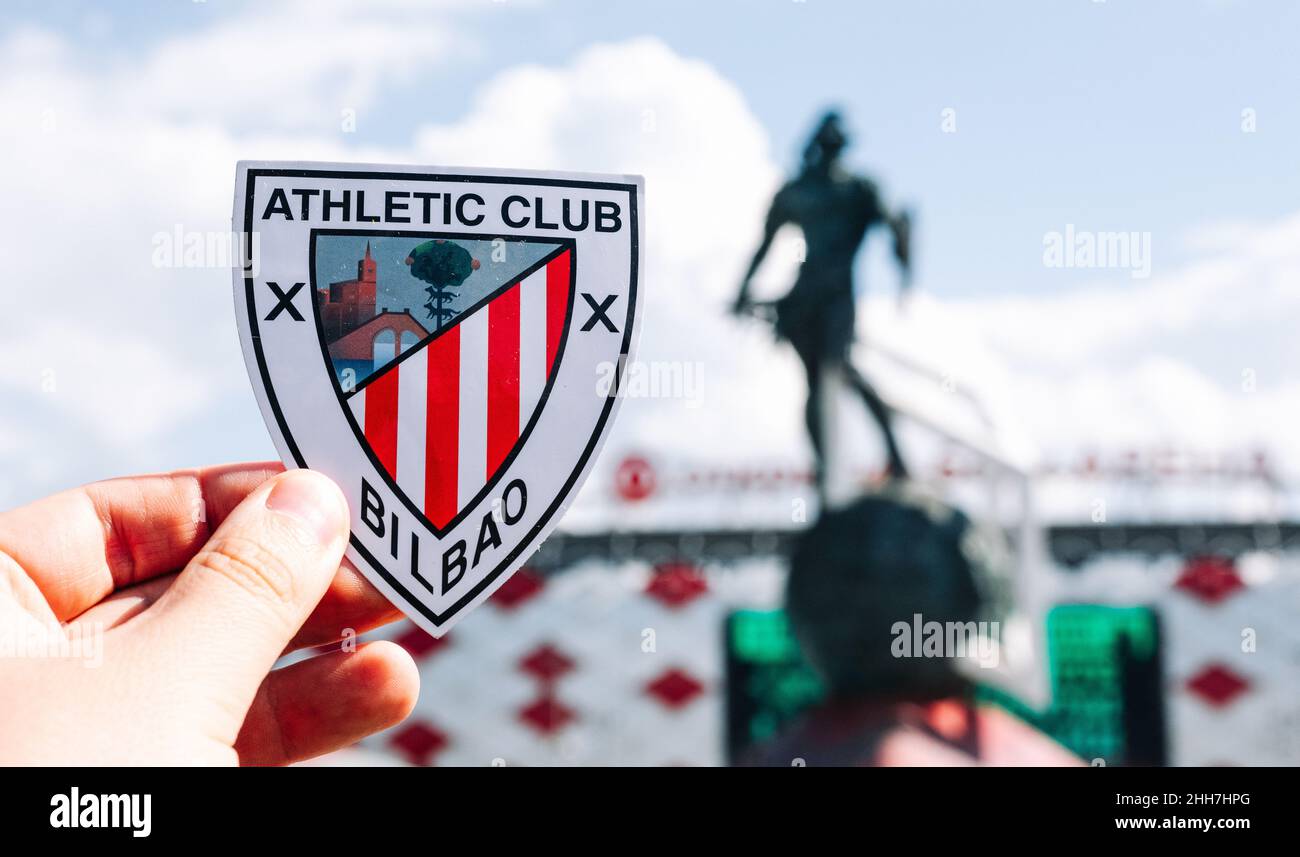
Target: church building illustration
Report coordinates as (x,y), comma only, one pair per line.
(358,337)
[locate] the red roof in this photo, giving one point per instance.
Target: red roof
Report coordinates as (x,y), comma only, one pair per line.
(360,343)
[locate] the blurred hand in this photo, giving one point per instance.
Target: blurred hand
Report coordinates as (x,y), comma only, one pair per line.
(140,619)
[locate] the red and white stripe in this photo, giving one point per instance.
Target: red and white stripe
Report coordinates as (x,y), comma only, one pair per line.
(443,420)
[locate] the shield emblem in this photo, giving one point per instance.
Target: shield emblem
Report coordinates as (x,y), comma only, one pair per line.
(446,345)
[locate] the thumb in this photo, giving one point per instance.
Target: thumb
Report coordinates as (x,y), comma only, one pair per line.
(221,626)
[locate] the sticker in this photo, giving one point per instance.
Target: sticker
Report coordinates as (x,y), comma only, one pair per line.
(446,344)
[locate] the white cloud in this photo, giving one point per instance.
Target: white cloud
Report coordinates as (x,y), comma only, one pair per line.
(1200,358)
(294,64)
(134,389)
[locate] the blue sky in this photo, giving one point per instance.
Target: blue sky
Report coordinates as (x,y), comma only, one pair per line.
(1109,115)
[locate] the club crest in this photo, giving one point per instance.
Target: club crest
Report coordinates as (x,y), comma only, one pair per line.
(436,341)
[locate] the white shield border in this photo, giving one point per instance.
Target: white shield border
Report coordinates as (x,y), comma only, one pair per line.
(382,578)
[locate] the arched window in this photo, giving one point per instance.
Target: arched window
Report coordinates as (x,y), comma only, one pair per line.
(384,347)
(409,339)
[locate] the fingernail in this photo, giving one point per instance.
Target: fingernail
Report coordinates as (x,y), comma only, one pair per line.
(313,501)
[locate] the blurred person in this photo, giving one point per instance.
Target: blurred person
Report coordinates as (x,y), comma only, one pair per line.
(193,584)
(859,572)
(834,209)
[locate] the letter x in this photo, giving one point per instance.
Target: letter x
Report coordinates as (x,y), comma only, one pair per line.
(286,301)
(598,313)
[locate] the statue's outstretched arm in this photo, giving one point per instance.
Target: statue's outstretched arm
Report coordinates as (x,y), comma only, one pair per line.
(900,224)
(775,219)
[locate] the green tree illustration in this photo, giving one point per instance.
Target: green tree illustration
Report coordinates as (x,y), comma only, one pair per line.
(444,266)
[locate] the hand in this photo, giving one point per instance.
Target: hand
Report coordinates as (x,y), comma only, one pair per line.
(111,655)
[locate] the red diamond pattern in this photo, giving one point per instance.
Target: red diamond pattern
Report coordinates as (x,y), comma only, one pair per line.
(546,663)
(419,643)
(674,688)
(522,585)
(1217,685)
(547,715)
(1210,579)
(419,742)
(676,584)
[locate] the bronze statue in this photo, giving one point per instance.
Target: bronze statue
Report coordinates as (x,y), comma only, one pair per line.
(835,209)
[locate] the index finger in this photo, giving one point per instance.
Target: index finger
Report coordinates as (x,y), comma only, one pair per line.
(79,546)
